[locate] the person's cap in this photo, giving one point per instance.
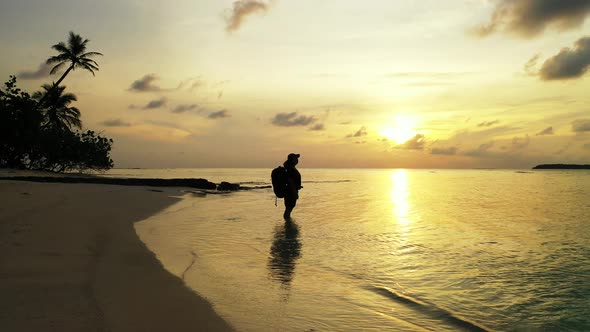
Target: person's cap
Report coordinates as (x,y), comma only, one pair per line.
(293,155)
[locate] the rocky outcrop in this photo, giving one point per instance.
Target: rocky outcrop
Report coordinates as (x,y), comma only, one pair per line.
(561,166)
(226,186)
(190,183)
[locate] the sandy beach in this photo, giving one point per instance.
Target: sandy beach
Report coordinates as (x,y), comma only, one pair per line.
(70,260)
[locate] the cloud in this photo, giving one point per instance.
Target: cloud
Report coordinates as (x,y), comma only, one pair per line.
(546,131)
(219,114)
(155,104)
(241,9)
(529,18)
(191,84)
(41,72)
(317,127)
(487,134)
(450,151)
(530,66)
(580,126)
(359,133)
(566,147)
(185,108)
(568,63)
(415,143)
(145,84)
(115,123)
(481,151)
(520,142)
(488,123)
(292,120)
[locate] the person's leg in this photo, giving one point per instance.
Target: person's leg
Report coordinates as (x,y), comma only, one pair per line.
(290,203)
(287,214)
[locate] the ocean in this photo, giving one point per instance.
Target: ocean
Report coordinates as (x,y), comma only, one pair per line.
(385,250)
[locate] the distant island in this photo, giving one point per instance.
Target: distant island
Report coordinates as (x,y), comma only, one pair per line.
(561,166)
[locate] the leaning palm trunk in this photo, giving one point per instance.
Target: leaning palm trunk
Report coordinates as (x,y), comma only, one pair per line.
(56,84)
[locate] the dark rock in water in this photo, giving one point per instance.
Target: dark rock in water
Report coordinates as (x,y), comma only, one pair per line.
(561,166)
(190,183)
(226,186)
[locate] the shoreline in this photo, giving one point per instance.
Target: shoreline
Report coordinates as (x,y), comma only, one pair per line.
(72,261)
(200,184)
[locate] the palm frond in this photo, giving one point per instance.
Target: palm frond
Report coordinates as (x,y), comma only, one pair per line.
(58,58)
(57,67)
(67,99)
(61,47)
(91,64)
(76,45)
(47,86)
(89,68)
(90,54)
(74,39)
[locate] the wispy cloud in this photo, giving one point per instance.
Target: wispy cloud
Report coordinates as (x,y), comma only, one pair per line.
(450,151)
(488,134)
(529,18)
(488,123)
(191,84)
(359,133)
(530,66)
(219,114)
(580,126)
(481,151)
(185,108)
(317,127)
(241,9)
(292,120)
(415,143)
(115,123)
(546,131)
(41,72)
(569,63)
(520,142)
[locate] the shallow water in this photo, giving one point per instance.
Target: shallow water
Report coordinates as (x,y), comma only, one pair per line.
(386,250)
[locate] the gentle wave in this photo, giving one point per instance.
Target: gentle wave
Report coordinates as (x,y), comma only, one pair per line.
(429,309)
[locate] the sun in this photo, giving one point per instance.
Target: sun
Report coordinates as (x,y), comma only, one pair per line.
(402,129)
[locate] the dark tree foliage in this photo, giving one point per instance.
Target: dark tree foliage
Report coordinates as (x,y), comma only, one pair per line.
(45,138)
(19,126)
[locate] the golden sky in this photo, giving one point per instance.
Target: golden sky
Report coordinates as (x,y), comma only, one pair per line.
(375,83)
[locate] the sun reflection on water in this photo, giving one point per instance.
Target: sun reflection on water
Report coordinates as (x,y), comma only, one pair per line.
(400,197)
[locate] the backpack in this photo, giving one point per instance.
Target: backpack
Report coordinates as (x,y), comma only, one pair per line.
(279,181)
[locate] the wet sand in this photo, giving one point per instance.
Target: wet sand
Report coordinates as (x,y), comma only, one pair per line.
(70,260)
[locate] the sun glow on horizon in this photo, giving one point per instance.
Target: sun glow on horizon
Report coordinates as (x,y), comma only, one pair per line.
(401,131)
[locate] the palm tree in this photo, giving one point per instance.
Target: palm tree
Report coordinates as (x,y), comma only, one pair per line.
(73,54)
(57,114)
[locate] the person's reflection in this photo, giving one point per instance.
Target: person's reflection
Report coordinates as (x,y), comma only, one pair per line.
(285,250)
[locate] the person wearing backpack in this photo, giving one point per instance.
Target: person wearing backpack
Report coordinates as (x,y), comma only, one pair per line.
(293,184)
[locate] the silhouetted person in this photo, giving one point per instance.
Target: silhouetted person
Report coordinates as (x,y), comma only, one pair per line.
(293,184)
(285,250)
